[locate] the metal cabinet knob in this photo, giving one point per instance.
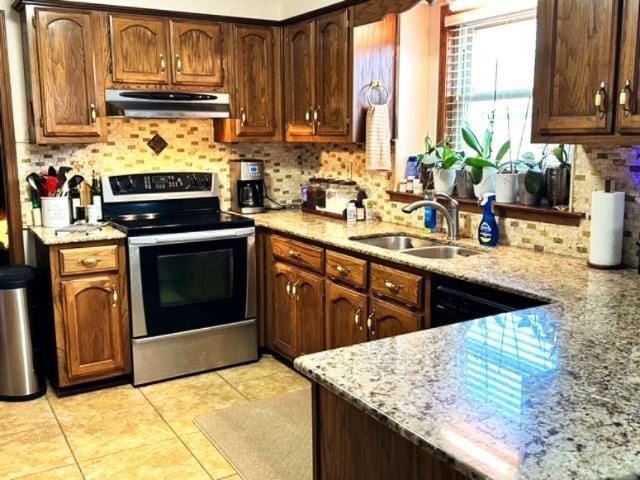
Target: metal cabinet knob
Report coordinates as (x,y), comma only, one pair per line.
(370,319)
(163,63)
(342,270)
(625,98)
(114,296)
(90,261)
(601,100)
(392,286)
(178,64)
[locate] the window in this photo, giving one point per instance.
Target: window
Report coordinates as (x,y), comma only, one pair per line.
(489,66)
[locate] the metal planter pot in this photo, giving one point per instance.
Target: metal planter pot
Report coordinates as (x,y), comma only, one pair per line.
(526,198)
(464,184)
(557,180)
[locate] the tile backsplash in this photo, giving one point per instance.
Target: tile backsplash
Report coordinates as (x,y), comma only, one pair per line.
(287,166)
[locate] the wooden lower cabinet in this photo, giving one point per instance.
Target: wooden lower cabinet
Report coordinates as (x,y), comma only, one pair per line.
(88,318)
(351,445)
(346,316)
(296,311)
(388,320)
(92,312)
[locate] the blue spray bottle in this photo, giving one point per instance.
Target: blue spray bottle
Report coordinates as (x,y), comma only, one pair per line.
(488,233)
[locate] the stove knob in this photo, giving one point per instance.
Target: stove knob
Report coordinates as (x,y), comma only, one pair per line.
(129,183)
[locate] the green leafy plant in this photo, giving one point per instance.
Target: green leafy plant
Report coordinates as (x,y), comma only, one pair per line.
(484,151)
(440,155)
(561,153)
(533,178)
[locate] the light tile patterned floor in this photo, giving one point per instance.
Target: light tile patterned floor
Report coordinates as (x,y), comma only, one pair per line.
(127,433)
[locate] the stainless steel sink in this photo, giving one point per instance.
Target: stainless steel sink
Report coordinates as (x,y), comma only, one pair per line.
(442,251)
(397,242)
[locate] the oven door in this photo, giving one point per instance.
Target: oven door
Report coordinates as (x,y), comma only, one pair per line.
(187,281)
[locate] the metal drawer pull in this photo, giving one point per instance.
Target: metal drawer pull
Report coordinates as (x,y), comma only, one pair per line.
(293,254)
(114,296)
(294,289)
(356,317)
(316,115)
(342,270)
(392,286)
(288,288)
(163,64)
(625,98)
(90,261)
(307,116)
(93,113)
(370,322)
(243,117)
(178,64)
(601,100)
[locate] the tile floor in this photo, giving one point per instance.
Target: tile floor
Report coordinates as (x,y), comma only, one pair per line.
(127,433)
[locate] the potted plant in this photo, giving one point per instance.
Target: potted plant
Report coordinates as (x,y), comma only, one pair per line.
(558,178)
(483,167)
(531,181)
(443,160)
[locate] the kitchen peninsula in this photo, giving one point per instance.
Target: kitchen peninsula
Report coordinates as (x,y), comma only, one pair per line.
(544,393)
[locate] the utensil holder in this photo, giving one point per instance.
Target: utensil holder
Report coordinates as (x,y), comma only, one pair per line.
(55,212)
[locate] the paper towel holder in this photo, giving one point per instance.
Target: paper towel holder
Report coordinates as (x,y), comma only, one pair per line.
(608,188)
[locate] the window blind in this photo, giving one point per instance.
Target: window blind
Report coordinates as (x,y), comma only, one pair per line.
(489,65)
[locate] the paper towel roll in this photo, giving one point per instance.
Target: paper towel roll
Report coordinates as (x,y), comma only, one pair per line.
(607,225)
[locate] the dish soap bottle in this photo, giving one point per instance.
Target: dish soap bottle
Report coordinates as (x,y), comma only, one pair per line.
(488,232)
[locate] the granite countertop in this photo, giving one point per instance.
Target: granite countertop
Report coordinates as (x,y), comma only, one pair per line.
(48,236)
(545,393)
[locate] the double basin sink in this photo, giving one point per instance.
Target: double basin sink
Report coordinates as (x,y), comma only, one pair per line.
(418,247)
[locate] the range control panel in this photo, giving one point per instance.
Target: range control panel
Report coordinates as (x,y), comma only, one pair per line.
(142,183)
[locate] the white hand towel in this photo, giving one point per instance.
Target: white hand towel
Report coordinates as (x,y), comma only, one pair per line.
(378,138)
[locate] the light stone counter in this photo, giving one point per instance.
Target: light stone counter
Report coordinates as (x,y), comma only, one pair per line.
(546,393)
(48,235)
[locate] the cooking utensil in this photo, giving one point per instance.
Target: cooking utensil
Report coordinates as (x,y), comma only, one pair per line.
(74,182)
(33,179)
(51,184)
(52,172)
(62,178)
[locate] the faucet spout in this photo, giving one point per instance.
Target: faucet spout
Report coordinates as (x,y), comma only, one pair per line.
(451,215)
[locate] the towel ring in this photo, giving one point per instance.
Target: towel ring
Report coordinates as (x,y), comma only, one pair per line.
(377,85)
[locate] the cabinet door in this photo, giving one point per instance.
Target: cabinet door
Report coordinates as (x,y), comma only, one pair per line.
(139,49)
(68,84)
(299,79)
(255,81)
(333,75)
(574,90)
(284,332)
(309,296)
(196,49)
(388,320)
(629,70)
(91,312)
(346,316)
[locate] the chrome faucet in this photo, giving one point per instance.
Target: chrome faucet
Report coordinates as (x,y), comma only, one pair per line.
(451,214)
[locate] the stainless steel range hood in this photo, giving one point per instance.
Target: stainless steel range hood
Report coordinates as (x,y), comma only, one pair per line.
(155,104)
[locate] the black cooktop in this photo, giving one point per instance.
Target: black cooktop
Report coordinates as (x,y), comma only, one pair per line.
(152,224)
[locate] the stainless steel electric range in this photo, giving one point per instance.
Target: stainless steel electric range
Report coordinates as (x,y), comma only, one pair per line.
(192,275)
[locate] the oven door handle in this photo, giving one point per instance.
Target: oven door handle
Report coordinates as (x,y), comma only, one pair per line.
(172,238)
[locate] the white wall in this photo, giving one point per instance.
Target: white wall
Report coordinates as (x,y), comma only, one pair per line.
(418,74)
(269,9)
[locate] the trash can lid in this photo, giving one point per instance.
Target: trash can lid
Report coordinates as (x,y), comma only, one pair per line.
(16,276)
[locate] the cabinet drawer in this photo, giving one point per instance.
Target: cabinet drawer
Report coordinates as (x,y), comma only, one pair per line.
(298,253)
(347,269)
(88,259)
(396,284)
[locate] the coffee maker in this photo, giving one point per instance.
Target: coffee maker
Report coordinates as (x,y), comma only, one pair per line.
(247,186)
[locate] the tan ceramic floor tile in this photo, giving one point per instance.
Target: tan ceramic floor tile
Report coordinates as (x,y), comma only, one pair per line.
(72,472)
(276,384)
(94,403)
(208,455)
(100,435)
(180,401)
(168,460)
(33,451)
(266,366)
(21,416)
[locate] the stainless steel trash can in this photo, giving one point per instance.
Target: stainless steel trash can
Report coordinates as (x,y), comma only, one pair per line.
(21,377)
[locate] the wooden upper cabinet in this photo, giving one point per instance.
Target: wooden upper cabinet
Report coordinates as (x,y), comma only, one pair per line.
(576,58)
(70,103)
(139,49)
(197,53)
(309,291)
(346,316)
(299,78)
(333,74)
(92,317)
(255,81)
(629,70)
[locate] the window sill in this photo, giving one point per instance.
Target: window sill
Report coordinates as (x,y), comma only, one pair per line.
(505,210)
